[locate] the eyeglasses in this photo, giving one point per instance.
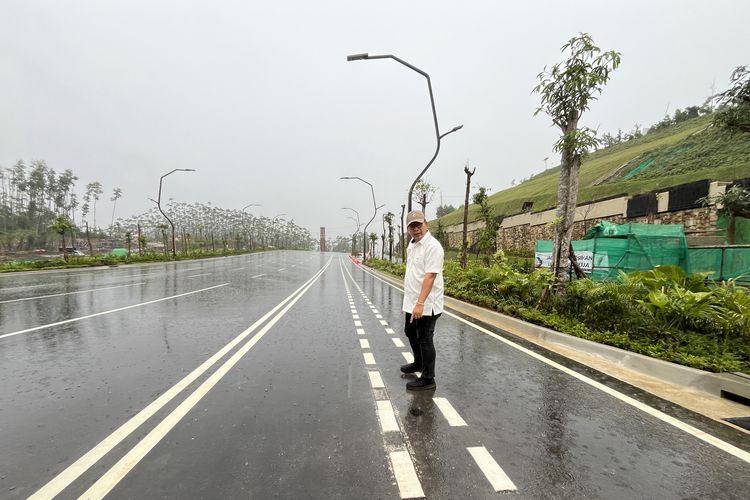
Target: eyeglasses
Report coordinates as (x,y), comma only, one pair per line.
(415,225)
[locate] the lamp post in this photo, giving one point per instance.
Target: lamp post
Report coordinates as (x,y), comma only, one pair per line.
(158,202)
(358,225)
(243,216)
(438,135)
(364,233)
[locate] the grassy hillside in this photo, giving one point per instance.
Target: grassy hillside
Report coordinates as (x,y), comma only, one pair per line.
(689,151)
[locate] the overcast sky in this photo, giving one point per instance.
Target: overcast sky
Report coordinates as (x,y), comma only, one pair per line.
(258,96)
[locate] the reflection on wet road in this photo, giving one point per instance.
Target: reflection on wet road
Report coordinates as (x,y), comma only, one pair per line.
(277,374)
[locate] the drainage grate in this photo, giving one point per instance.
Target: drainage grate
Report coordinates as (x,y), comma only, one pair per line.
(743,422)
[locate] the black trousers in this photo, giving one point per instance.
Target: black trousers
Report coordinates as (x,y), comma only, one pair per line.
(420,333)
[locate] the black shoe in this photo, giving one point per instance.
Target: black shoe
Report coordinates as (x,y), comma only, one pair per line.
(410,368)
(421,384)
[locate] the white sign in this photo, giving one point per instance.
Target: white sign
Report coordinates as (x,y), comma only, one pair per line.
(585,260)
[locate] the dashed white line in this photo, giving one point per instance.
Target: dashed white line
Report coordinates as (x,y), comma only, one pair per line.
(364,343)
(383,322)
(376,381)
(409,357)
(494,473)
(360,331)
(369,358)
(357,323)
(389,331)
(257,276)
(197,275)
(406,476)
(379,316)
(355,316)
(282,269)
(397,341)
(386,416)
(450,413)
(376,311)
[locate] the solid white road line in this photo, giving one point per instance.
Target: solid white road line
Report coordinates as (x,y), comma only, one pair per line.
(69,293)
(386,416)
(668,419)
(389,331)
(360,331)
(364,343)
(397,341)
(75,470)
(493,472)
(114,475)
(406,476)
(369,358)
(409,357)
(197,275)
(450,413)
(376,381)
(50,325)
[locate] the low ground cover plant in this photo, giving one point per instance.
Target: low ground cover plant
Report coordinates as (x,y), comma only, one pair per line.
(663,313)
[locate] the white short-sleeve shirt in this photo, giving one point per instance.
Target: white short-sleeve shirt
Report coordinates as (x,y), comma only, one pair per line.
(422,257)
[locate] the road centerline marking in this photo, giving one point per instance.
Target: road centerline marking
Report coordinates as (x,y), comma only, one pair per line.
(449,412)
(492,471)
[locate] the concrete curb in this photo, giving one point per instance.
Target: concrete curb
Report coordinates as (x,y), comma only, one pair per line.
(731,385)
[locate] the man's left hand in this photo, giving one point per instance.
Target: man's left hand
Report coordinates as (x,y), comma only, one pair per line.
(418,312)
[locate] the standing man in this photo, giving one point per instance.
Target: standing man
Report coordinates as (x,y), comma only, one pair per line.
(423,299)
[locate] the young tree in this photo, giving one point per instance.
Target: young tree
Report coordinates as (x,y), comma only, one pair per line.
(487,240)
(465,241)
(116,195)
(566,90)
(734,112)
(389,220)
(423,193)
(61,226)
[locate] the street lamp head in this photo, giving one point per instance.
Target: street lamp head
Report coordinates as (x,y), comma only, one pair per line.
(357,57)
(346,177)
(459,127)
(186,169)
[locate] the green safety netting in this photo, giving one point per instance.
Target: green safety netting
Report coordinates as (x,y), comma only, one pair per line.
(119,252)
(608,248)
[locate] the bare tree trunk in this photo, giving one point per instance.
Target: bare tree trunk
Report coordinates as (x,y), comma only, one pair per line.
(140,244)
(567,195)
(465,243)
(88,238)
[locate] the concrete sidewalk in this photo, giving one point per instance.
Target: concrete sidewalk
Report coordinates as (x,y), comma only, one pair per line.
(696,390)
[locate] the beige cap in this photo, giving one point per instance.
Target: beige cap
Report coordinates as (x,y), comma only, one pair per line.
(414,216)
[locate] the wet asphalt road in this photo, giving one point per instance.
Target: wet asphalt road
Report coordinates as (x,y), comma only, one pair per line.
(129,394)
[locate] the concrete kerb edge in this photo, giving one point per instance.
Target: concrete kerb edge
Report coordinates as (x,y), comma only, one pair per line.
(684,376)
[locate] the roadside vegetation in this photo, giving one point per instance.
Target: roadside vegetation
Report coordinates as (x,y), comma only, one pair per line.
(114,260)
(663,313)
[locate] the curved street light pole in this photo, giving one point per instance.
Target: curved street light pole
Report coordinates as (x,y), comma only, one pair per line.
(158,202)
(438,135)
(364,233)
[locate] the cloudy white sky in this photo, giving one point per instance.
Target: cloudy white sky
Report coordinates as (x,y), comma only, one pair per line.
(258,96)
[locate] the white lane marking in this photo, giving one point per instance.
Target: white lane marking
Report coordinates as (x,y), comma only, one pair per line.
(360,331)
(492,471)
(687,428)
(406,476)
(378,316)
(386,416)
(282,269)
(114,475)
(409,357)
(376,381)
(449,412)
(355,316)
(369,358)
(50,325)
(376,311)
(76,469)
(383,322)
(257,276)
(389,331)
(239,268)
(357,323)
(69,293)
(397,342)
(196,275)
(364,343)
